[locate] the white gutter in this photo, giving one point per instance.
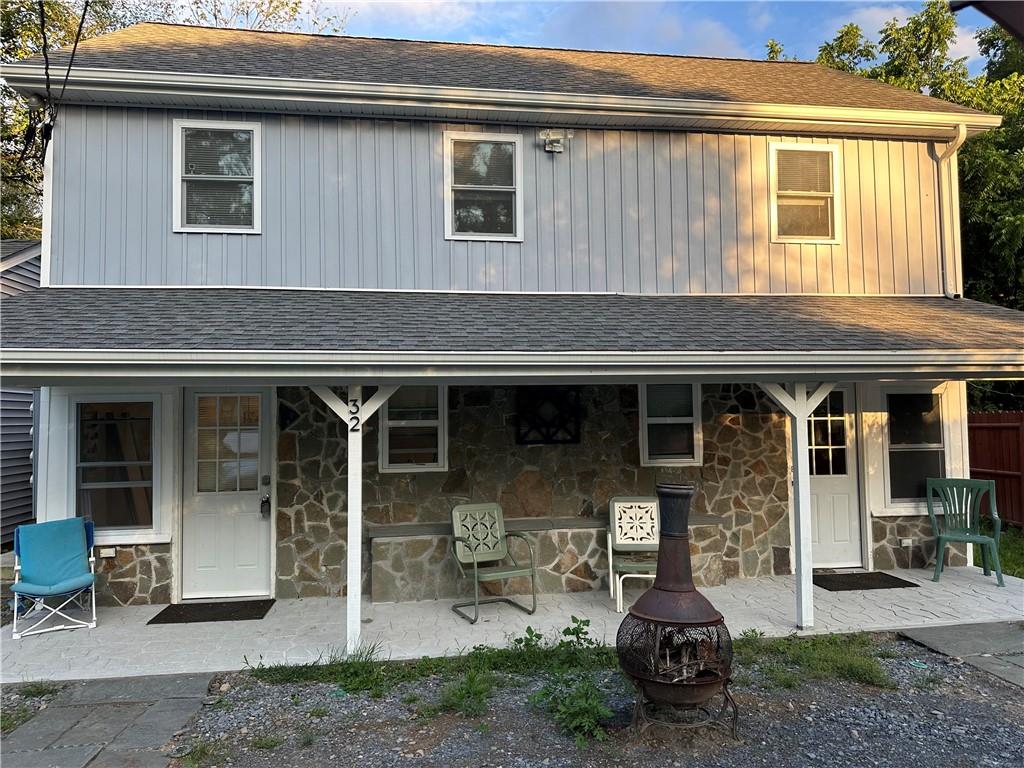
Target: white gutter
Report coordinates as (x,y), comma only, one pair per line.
(943,196)
(28,78)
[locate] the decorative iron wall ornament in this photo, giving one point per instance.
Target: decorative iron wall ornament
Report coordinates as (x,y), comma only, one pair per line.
(548,415)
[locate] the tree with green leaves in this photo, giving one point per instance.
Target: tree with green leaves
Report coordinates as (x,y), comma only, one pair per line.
(848,51)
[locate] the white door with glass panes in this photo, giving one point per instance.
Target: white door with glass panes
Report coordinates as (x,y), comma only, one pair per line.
(225,547)
(835,501)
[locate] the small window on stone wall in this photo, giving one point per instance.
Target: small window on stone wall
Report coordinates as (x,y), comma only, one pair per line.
(670,430)
(414,430)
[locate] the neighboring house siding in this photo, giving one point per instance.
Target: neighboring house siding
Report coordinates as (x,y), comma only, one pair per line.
(359,203)
(17,413)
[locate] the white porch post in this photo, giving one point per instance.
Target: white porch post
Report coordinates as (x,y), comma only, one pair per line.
(354,412)
(798,403)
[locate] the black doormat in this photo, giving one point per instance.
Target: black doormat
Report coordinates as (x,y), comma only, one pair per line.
(190,613)
(847,582)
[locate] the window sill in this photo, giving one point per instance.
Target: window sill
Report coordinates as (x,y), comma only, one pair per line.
(485,238)
(803,241)
(130,538)
(214,231)
(398,470)
(672,463)
(906,510)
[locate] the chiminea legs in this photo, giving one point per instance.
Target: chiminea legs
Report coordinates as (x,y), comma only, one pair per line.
(646,714)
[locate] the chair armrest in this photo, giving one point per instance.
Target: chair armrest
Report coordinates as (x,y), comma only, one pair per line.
(529,545)
(464,540)
(610,555)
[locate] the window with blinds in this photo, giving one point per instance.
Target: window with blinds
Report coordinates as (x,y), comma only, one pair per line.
(804,193)
(483,186)
(218,187)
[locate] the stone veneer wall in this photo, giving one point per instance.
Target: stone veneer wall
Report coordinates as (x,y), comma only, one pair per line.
(136,575)
(743,481)
(886,533)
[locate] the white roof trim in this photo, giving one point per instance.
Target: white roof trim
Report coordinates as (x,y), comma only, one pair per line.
(20,257)
(31,77)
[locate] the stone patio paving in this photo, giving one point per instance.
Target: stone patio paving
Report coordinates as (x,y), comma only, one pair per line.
(301,630)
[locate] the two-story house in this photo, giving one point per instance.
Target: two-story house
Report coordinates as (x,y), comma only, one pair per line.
(303,294)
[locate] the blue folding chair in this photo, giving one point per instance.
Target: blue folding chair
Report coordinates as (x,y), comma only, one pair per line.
(54,560)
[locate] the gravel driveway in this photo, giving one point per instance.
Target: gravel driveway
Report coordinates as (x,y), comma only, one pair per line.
(942,713)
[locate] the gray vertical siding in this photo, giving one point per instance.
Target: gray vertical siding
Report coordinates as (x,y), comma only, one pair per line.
(359,203)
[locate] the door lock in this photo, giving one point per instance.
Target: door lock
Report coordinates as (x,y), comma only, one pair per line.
(265,505)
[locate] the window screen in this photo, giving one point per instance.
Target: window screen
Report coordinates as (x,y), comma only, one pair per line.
(114,469)
(916,450)
(483,187)
(217,178)
(804,197)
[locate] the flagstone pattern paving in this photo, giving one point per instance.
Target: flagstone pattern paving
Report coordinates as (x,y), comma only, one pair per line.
(303,630)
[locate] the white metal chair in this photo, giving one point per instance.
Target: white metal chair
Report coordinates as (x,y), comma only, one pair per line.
(632,530)
(54,560)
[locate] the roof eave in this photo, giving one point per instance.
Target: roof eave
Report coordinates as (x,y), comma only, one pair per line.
(220,91)
(54,367)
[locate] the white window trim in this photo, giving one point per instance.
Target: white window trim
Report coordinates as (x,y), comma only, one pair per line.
(837,203)
(913,506)
(441,422)
(449,215)
(257,175)
(695,420)
(152,534)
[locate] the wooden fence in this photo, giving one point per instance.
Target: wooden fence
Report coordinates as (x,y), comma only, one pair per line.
(997,453)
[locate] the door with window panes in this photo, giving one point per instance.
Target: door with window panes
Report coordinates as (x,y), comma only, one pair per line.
(227,512)
(835,498)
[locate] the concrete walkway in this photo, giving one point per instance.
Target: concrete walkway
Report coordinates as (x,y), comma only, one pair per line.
(296,631)
(113,723)
(996,648)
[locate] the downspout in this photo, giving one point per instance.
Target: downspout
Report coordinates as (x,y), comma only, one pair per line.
(943,194)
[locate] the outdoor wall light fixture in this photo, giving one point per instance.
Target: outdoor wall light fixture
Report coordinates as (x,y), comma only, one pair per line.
(555,138)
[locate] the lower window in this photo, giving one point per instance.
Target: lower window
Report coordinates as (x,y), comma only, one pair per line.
(114,464)
(915,443)
(413,430)
(670,424)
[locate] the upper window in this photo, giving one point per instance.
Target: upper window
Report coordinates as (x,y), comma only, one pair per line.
(114,464)
(805,198)
(483,186)
(413,430)
(217,168)
(670,433)
(916,450)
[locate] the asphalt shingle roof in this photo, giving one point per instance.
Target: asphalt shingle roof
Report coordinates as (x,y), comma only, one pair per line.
(260,319)
(203,50)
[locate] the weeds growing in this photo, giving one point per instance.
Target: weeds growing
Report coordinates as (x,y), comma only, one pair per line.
(783,661)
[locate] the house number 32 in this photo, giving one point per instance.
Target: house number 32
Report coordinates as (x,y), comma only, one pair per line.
(353,421)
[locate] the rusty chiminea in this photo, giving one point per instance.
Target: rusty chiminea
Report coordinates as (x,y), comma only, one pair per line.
(674,644)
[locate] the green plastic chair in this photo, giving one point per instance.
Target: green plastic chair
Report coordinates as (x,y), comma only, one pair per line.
(961,512)
(481,542)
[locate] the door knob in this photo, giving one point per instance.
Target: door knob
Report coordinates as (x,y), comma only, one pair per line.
(265,505)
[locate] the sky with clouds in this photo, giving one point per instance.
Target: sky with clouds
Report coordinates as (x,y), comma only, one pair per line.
(737,28)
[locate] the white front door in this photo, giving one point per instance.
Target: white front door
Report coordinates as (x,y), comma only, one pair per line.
(225,545)
(835,502)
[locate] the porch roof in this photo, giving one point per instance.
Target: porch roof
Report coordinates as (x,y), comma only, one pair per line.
(382,333)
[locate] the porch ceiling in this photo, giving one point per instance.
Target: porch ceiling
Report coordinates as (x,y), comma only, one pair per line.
(277,335)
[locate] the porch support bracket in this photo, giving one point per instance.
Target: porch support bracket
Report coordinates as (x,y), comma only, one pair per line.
(354,411)
(799,400)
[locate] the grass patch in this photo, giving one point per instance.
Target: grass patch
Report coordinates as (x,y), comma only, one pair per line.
(307,738)
(469,695)
(204,754)
(267,742)
(38,690)
(319,712)
(783,661)
(576,705)
(1011,549)
(530,654)
(12,717)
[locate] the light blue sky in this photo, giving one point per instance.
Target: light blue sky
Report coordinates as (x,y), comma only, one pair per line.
(722,28)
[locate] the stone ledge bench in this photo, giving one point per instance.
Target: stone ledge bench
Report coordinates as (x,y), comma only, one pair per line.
(413,561)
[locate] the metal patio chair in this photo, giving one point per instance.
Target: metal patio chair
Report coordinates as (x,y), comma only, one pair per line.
(633,529)
(961,520)
(481,542)
(54,561)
